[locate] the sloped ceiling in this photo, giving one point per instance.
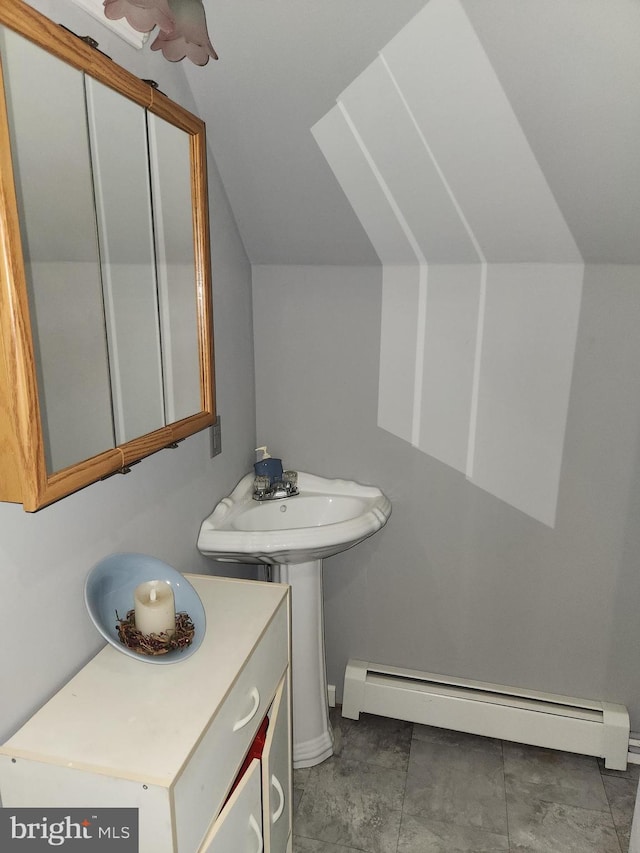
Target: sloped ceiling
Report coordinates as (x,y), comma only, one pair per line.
(569,68)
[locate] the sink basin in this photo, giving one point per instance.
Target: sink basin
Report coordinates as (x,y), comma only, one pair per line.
(326,517)
(294,535)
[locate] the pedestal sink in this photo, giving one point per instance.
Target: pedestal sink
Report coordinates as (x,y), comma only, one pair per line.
(294,535)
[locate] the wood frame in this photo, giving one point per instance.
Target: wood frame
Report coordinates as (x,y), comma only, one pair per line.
(23,475)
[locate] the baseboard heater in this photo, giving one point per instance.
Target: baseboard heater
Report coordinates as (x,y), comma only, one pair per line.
(508,713)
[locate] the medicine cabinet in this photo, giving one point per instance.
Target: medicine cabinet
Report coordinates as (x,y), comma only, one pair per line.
(105,292)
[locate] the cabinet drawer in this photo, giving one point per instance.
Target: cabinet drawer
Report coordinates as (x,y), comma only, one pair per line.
(201,789)
(239,826)
(276,774)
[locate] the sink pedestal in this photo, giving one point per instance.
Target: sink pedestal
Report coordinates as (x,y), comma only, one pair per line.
(312,735)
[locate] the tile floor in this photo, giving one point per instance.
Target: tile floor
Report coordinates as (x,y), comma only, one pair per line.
(396,787)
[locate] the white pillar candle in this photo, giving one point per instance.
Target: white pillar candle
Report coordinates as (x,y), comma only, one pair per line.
(155,610)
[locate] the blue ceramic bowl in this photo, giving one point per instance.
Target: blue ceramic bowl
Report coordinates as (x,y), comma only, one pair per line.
(110,586)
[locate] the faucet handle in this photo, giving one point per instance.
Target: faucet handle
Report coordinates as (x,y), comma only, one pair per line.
(290,479)
(261,485)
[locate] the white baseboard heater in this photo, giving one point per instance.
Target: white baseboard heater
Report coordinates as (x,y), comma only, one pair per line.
(508,713)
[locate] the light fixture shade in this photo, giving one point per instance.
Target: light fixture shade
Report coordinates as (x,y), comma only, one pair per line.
(182,24)
(142,15)
(188,37)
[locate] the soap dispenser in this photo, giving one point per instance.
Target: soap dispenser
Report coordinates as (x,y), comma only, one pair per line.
(267,466)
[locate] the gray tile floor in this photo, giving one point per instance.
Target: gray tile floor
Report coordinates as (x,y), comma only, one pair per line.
(396,787)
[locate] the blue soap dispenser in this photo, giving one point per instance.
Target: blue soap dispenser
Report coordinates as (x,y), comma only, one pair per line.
(267,466)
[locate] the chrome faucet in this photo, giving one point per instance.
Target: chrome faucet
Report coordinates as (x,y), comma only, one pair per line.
(265,490)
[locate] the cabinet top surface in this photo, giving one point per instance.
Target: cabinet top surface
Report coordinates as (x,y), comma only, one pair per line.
(126,717)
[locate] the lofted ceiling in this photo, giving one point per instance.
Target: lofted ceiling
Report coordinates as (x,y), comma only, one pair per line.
(570,70)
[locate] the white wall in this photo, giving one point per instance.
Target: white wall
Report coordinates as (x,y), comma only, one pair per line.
(432,157)
(158,508)
(459,582)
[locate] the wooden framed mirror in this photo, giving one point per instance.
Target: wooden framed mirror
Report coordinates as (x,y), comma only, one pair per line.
(105,285)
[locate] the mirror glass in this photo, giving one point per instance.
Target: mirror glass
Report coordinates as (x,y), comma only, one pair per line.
(117,130)
(52,173)
(106,213)
(173,220)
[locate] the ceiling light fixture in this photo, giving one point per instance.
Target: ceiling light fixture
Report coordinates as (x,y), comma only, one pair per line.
(182,26)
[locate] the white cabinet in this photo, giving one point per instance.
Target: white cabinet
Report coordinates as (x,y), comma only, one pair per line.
(170,740)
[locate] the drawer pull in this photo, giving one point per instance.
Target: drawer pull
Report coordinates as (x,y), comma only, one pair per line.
(253,823)
(256,704)
(276,784)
